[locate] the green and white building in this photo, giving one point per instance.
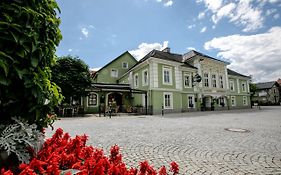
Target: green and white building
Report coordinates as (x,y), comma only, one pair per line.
(165,81)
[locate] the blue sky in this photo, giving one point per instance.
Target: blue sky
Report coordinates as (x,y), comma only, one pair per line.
(246,33)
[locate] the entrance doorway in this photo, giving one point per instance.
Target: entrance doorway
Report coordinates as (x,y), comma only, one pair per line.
(115,100)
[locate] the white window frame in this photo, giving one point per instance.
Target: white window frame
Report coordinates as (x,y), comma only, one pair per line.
(222,100)
(206,79)
(214,80)
(231,84)
(88,100)
(234,100)
(136,80)
(189,80)
(245,101)
(171,100)
(125,63)
(243,87)
(169,70)
(192,100)
(143,77)
(221,82)
(114,75)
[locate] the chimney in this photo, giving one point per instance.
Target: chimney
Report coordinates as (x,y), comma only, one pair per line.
(167,49)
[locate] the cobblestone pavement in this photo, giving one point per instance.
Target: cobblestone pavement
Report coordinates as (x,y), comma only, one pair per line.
(197,141)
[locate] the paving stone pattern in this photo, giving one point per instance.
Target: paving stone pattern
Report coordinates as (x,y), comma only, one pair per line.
(197,141)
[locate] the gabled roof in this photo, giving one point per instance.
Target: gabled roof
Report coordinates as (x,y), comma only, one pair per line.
(165,56)
(115,60)
(232,72)
(266,85)
(191,54)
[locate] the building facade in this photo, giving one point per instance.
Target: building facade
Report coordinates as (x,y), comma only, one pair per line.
(167,82)
(267,93)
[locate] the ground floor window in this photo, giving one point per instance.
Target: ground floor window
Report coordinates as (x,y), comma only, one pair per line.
(245,101)
(92,100)
(233,101)
(191,102)
(168,100)
(221,101)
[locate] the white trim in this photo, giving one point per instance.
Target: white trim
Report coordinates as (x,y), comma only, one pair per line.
(190,82)
(193,101)
(233,97)
(204,78)
(143,82)
(169,69)
(238,86)
(171,100)
(231,82)
(138,80)
(246,100)
(87,99)
(127,65)
(114,76)
(245,88)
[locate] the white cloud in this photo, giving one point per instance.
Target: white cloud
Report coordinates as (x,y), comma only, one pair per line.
(257,55)
(270,11)
(213,5)
(240,12)
(203,29)
(168,3)
(69,50)
(85,32)
(145,48)
(224,11)
(191,48)
(191,26)
(247,16)
(201,15)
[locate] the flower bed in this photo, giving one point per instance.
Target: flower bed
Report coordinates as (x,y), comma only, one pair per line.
(62,155)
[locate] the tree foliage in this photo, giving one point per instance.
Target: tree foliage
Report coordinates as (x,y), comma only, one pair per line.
(29,34)
(72,75)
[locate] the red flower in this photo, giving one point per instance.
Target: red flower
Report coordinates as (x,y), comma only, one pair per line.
(63,153)
(174,168)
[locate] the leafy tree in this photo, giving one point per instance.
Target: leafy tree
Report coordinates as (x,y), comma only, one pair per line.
(29,34)
(72,75)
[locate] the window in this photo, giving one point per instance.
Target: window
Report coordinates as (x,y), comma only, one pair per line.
(168,101)
(206,79)
(245,101)
(214,81)
(125,65)
(221,81)
(221,101)
(92,100)
(114,73)
(274,91)
(167,75)
(187,80)
(243,87)
(145,77)
(231,85)
(190,102)
(136,80)
(233,101)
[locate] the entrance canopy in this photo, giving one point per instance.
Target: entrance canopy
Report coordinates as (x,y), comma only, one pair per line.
(116,88)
